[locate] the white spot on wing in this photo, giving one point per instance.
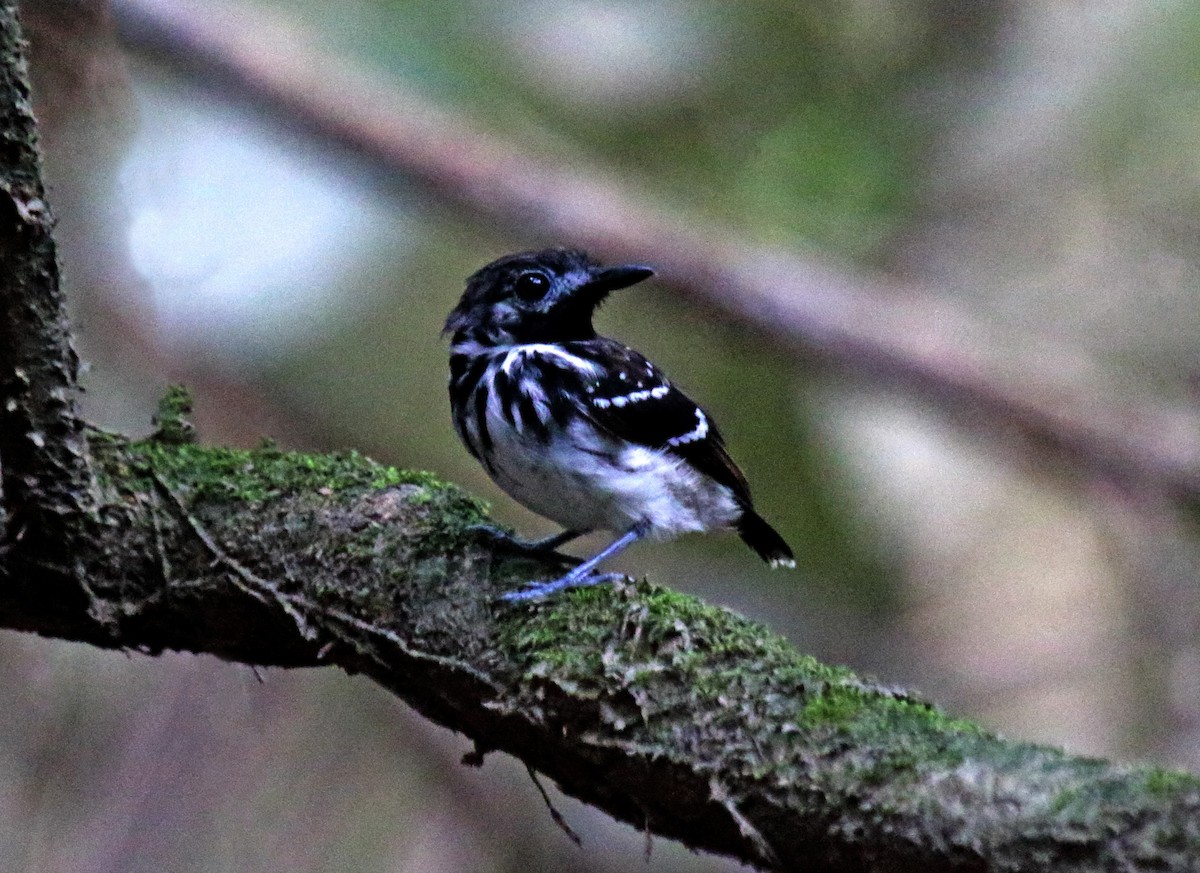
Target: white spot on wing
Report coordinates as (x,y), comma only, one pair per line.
(699,432)
(633,397)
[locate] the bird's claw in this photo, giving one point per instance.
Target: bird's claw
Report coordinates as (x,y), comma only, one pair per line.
(502,540)
(538,590)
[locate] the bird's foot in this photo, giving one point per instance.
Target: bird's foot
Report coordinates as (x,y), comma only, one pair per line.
(502,540)
(539,590)
(585,573)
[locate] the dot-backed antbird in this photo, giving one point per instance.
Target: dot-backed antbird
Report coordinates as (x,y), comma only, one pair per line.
(580,428)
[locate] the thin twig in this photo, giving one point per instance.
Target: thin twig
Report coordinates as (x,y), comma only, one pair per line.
(745,827)
(554,813)
(398,642)
(164,562)
(243,577)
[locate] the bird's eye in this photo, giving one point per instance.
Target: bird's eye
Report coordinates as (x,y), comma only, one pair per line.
(532,286)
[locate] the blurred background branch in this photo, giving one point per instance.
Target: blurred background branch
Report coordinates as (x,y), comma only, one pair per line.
(1057,396)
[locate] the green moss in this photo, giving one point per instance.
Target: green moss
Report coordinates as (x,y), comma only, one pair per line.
(667,652)
(653,630)
(853,705)
(701,644)
(203,474)
(1095,785)
(172,424)
(1167,783)
(836,707)
(1063,800)
(449,512)
(908,736)
(211,473)
(564,634)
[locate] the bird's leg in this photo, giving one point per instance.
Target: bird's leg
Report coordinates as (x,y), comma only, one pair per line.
(582,575)
(504,540)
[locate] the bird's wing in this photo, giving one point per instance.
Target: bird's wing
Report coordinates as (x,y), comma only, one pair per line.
(633,400)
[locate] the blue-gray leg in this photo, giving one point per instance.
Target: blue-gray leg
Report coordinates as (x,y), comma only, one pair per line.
(581,575)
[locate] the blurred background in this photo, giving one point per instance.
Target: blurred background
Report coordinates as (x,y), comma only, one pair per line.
(1032,164)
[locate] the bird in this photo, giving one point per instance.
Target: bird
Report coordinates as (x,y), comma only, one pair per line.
(580,428)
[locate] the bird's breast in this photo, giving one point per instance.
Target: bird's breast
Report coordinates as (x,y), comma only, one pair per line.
(585,480)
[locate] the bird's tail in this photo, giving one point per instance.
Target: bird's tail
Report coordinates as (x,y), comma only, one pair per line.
(765,540)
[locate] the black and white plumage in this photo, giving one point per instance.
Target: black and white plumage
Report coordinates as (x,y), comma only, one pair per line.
(580,428)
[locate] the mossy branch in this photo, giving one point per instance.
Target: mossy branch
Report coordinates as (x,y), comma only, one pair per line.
(675,716)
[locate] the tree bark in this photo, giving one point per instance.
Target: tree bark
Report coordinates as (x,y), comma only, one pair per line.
(44,474)
(678,717)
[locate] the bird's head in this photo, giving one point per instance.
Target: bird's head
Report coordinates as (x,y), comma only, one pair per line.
(536,297)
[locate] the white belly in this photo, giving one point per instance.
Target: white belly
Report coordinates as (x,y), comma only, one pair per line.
(585,481)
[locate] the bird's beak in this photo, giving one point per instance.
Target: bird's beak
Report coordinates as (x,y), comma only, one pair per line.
(617,277)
